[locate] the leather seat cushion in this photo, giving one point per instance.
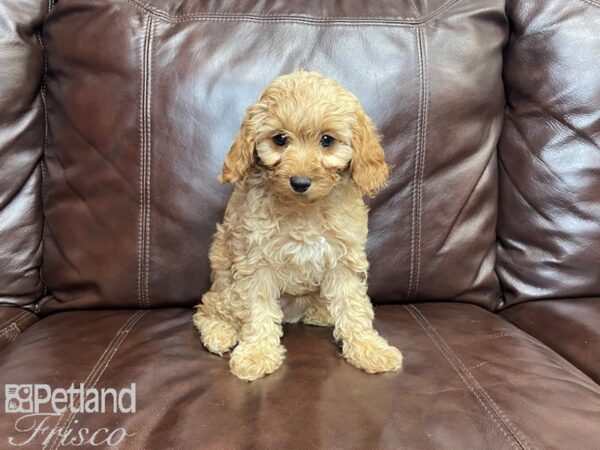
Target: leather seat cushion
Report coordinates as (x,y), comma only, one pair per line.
(571,327)
(13,321)
(471,380)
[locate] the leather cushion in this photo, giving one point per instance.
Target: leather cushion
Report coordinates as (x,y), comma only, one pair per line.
(13,321)
(140,126)
(471,380)
(22,137)
(569,326)
(549,216)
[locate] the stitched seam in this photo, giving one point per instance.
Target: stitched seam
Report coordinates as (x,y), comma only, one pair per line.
(11,328)
(10,332)
(494,405)
(19,322)
(423,155)
(514,430)
(98,369)
(592,2)
(499,335)
(502,427)
(519,436)
(417,195)
(4,331)
(107,356)
(414,6)
(43,156)
(413,184)
(141,181)
(307,20)
(14,319)
(478,365)
(143,230)
(149,159)
(93,380)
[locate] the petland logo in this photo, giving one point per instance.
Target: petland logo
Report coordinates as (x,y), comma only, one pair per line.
(39,403)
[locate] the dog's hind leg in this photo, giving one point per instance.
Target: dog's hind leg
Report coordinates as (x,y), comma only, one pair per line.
(316,312)
(219,333)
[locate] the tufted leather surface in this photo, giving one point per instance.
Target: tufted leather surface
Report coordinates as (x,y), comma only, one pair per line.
(134,152)
(471,380)
(549,220)
(569,326)
(22,130)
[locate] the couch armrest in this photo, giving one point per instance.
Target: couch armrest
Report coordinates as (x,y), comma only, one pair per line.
(13,321)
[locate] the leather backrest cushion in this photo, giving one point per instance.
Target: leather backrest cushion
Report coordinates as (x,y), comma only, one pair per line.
(549,220)
(22,130)
(145,100)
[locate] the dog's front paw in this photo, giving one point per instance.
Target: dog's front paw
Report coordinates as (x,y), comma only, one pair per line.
(372,354)
(250,361)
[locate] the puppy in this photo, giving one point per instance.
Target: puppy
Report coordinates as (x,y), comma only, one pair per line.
(292,244)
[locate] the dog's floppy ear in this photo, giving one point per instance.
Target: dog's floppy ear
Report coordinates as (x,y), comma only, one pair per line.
(241,154)
(369,170)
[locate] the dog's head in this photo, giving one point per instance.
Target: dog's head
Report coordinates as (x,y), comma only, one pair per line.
(305,131)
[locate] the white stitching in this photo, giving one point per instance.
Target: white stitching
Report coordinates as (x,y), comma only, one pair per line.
(418,169)
(105,359)
(413,184)
(419,165)
(307,20)
(11,332)
(19,322)
(592,2)
(6,331)
(423,154)
(510,425)
(117,344)
(144,124)
(149,160)
(500,334)
(43,156)
(478,365)
(141,181)
(15,319)
(512,440)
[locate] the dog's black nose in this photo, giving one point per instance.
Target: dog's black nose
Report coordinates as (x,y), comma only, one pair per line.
(300,184)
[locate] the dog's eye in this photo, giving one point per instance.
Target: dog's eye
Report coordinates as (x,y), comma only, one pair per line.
(326,141)
(280,140)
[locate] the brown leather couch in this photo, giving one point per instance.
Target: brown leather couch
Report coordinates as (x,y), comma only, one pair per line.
(115,116)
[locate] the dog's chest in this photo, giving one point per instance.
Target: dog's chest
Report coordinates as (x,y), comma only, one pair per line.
(302,254)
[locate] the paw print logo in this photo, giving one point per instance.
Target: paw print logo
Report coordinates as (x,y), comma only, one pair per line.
(18,398)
